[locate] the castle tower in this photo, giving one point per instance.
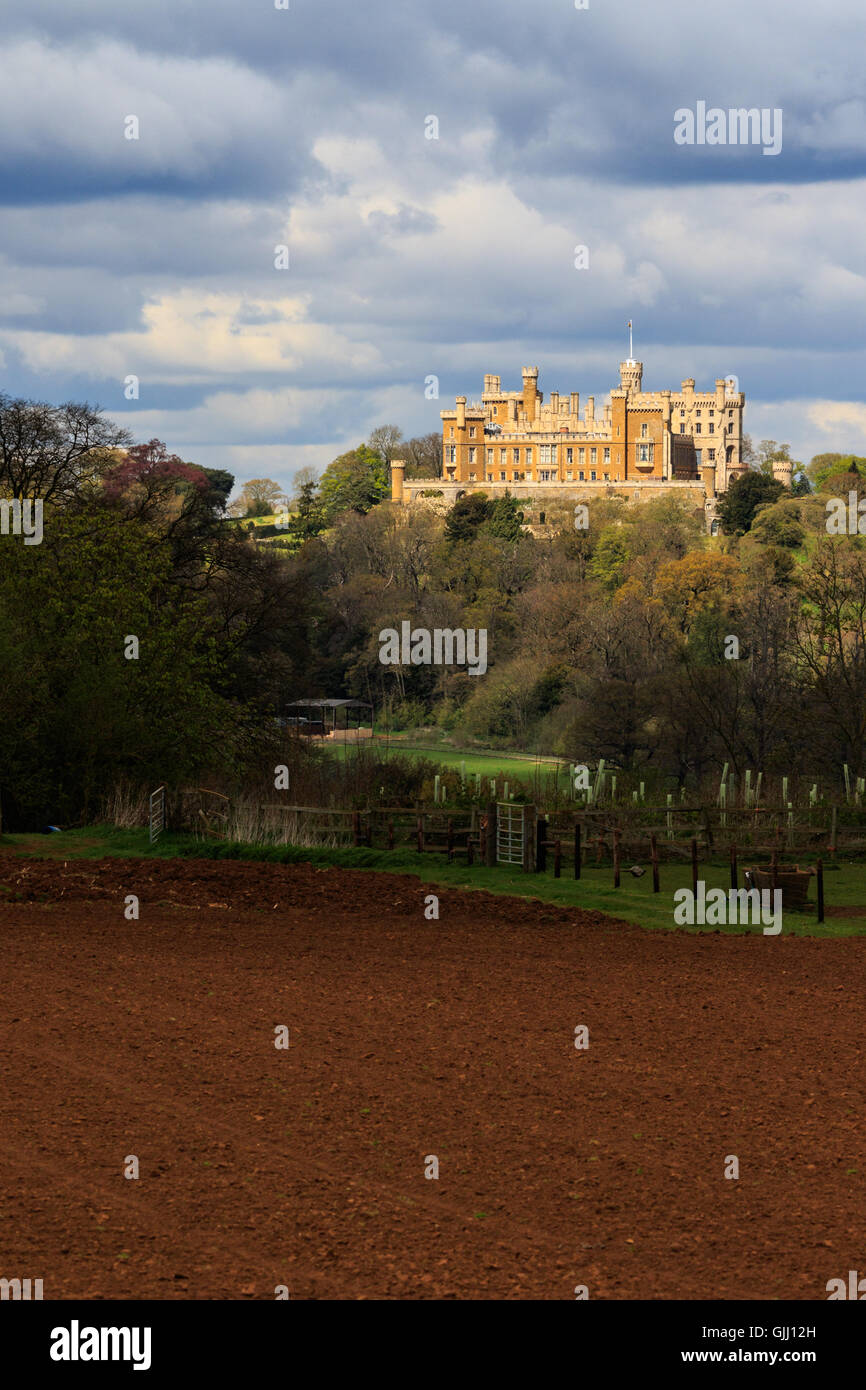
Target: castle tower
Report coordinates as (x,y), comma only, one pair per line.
(397,470)
(783,472)
(530,391)
(631,375)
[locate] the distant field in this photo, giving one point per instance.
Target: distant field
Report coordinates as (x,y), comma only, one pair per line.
(488,764)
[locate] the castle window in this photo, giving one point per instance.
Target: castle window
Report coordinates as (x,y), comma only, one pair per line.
(502,477)
(503,456)
(490,477)
(451,432)
(644,430)
(698,426)
(528,458)
(471,431)
(682,412)
(607,455)
(450,453)
(569,456)
(471,455)
(697,412)
(581,455)
(682,429)
(547,453)
(580,476)
(569,475)
(607,477)
(617,431)
(592,475)
(712,413)
(515,455)
(489,455)
(593,455)
(472,477)
(644,453)
(712,455)
(712,428)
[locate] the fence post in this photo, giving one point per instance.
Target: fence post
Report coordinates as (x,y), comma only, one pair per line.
(490,848)
(541,844)
(390,834)
(654,850)
(577,849)
(819,870)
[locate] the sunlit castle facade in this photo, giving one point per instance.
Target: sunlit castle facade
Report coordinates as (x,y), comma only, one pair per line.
(639,445)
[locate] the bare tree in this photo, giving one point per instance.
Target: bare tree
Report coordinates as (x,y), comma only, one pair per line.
(52,451)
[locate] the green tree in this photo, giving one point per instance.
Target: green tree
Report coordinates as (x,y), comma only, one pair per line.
(467,514)
(506,518)
(744,496)
(610,557)
(309,517)
(259,497)
(354,482)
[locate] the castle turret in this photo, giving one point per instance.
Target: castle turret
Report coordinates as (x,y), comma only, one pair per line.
(631,375)
(783,472)
(530,391)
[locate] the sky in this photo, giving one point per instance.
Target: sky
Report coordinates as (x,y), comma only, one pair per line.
(312,127)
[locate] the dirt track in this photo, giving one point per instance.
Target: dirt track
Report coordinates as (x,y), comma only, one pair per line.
(409,1038)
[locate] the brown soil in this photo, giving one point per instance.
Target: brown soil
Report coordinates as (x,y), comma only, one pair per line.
(410,1038)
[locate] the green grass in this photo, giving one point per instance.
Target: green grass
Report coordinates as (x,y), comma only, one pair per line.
(633,902)
(488,764)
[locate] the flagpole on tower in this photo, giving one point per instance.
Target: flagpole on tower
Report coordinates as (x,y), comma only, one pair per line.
(630,345)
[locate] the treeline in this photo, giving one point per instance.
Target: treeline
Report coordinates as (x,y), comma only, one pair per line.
(638,639)
(147,637)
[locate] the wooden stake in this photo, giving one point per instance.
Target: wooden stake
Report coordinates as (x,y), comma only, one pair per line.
(654,850)
(819,872)
(390,834)
(541,845)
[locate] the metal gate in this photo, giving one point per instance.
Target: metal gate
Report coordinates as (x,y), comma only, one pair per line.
(157,813)
(510,832)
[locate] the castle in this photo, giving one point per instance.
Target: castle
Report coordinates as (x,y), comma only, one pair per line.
(642,445)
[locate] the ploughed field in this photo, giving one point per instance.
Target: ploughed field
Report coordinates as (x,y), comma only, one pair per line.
(411,1039)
